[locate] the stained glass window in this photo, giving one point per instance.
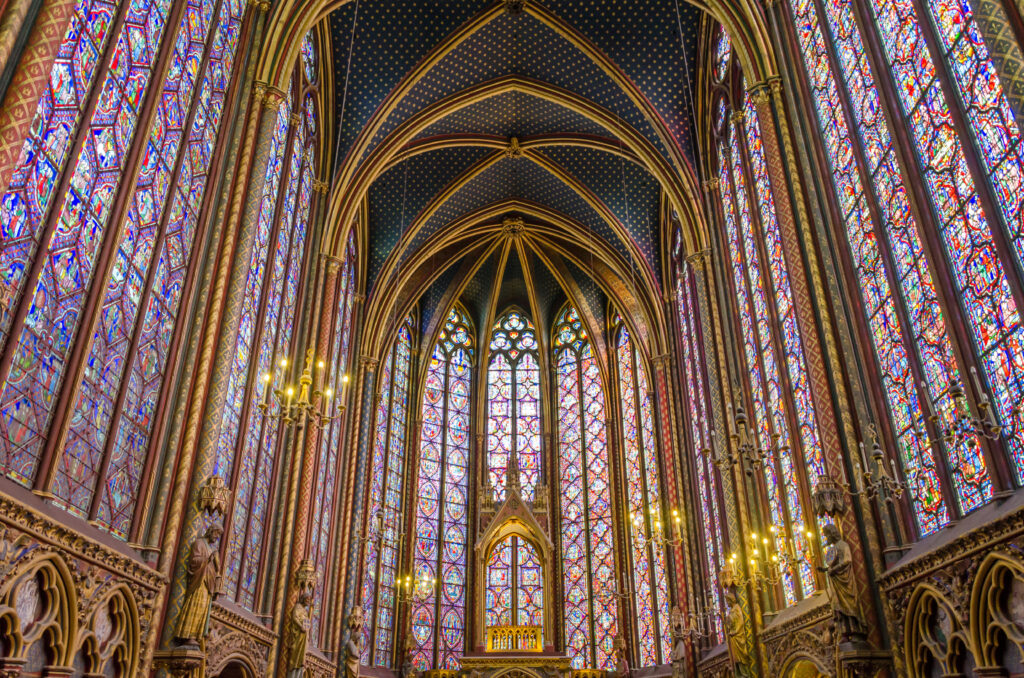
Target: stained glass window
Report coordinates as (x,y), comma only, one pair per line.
(326,483)
(723,53)
(515,584)
(588,556)
(440,550)
(66,267)
(697,416)
(971,210)
(513,403)
(649,572)
(386,492)
(56,242)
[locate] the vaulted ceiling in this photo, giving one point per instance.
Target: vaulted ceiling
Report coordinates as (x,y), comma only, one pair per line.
(515,152)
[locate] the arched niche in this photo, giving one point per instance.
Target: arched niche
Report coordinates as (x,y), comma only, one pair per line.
(38,615)
(935,641)
(997,606)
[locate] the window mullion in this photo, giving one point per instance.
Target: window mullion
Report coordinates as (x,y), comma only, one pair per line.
(383,493)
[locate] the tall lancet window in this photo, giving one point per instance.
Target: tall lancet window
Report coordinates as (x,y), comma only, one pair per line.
(513,403)
(698,419)
(440,550)
(385,501)
(926,164)
(648,575)
(75,271)
(588,555)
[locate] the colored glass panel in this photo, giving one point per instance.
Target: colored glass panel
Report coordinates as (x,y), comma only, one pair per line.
(442,528)
(723,53)
(649,576)
(387,490)
(48,148)
(129,291)
(965,231)
(51,324)
(900,234)
(309,63)
(588,561)
(513,403)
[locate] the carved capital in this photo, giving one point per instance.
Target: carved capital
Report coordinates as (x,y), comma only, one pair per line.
(711,185)
(661,361)
(214,496)
(698,259)
(320,186)
(267,95)
(260,5)
(738,117)
(368,363)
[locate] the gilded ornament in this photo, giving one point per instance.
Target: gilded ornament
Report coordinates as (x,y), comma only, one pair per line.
(214,496)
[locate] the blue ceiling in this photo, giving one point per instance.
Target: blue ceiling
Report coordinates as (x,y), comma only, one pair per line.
(641,38)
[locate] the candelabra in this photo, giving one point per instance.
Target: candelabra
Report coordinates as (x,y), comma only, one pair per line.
(700,624)
(658,537)
(742,436)
(768,565)
(608,594)
(964,426)
(408,592)
(313,406)
(871,478)
(378,530)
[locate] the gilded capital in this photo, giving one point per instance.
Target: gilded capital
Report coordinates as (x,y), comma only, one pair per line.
(368,363)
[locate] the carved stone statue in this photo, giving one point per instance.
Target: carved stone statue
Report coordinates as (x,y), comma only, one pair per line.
(735,632)
(842,587)
(354,646)
(203,588)
(296,636)
(678,656)
(408,668)
(621,661)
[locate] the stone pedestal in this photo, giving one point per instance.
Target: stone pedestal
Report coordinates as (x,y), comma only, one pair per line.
(186,661)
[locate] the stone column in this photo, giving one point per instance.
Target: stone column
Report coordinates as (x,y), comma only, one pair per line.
(305,453)
(367,383)
(673,456)
(736,508)
(202,426)
(809,297)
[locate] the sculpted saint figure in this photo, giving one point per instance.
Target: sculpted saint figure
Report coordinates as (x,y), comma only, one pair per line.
(297,636)
(203,587)
(842,586)
(678,656)
(734,633)
(621,662)
(354,646)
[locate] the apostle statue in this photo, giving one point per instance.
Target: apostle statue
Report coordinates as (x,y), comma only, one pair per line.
(842,587)
(735,632)
(678,656)
(296,636)
(621,661)
(354,646)
(203,571)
